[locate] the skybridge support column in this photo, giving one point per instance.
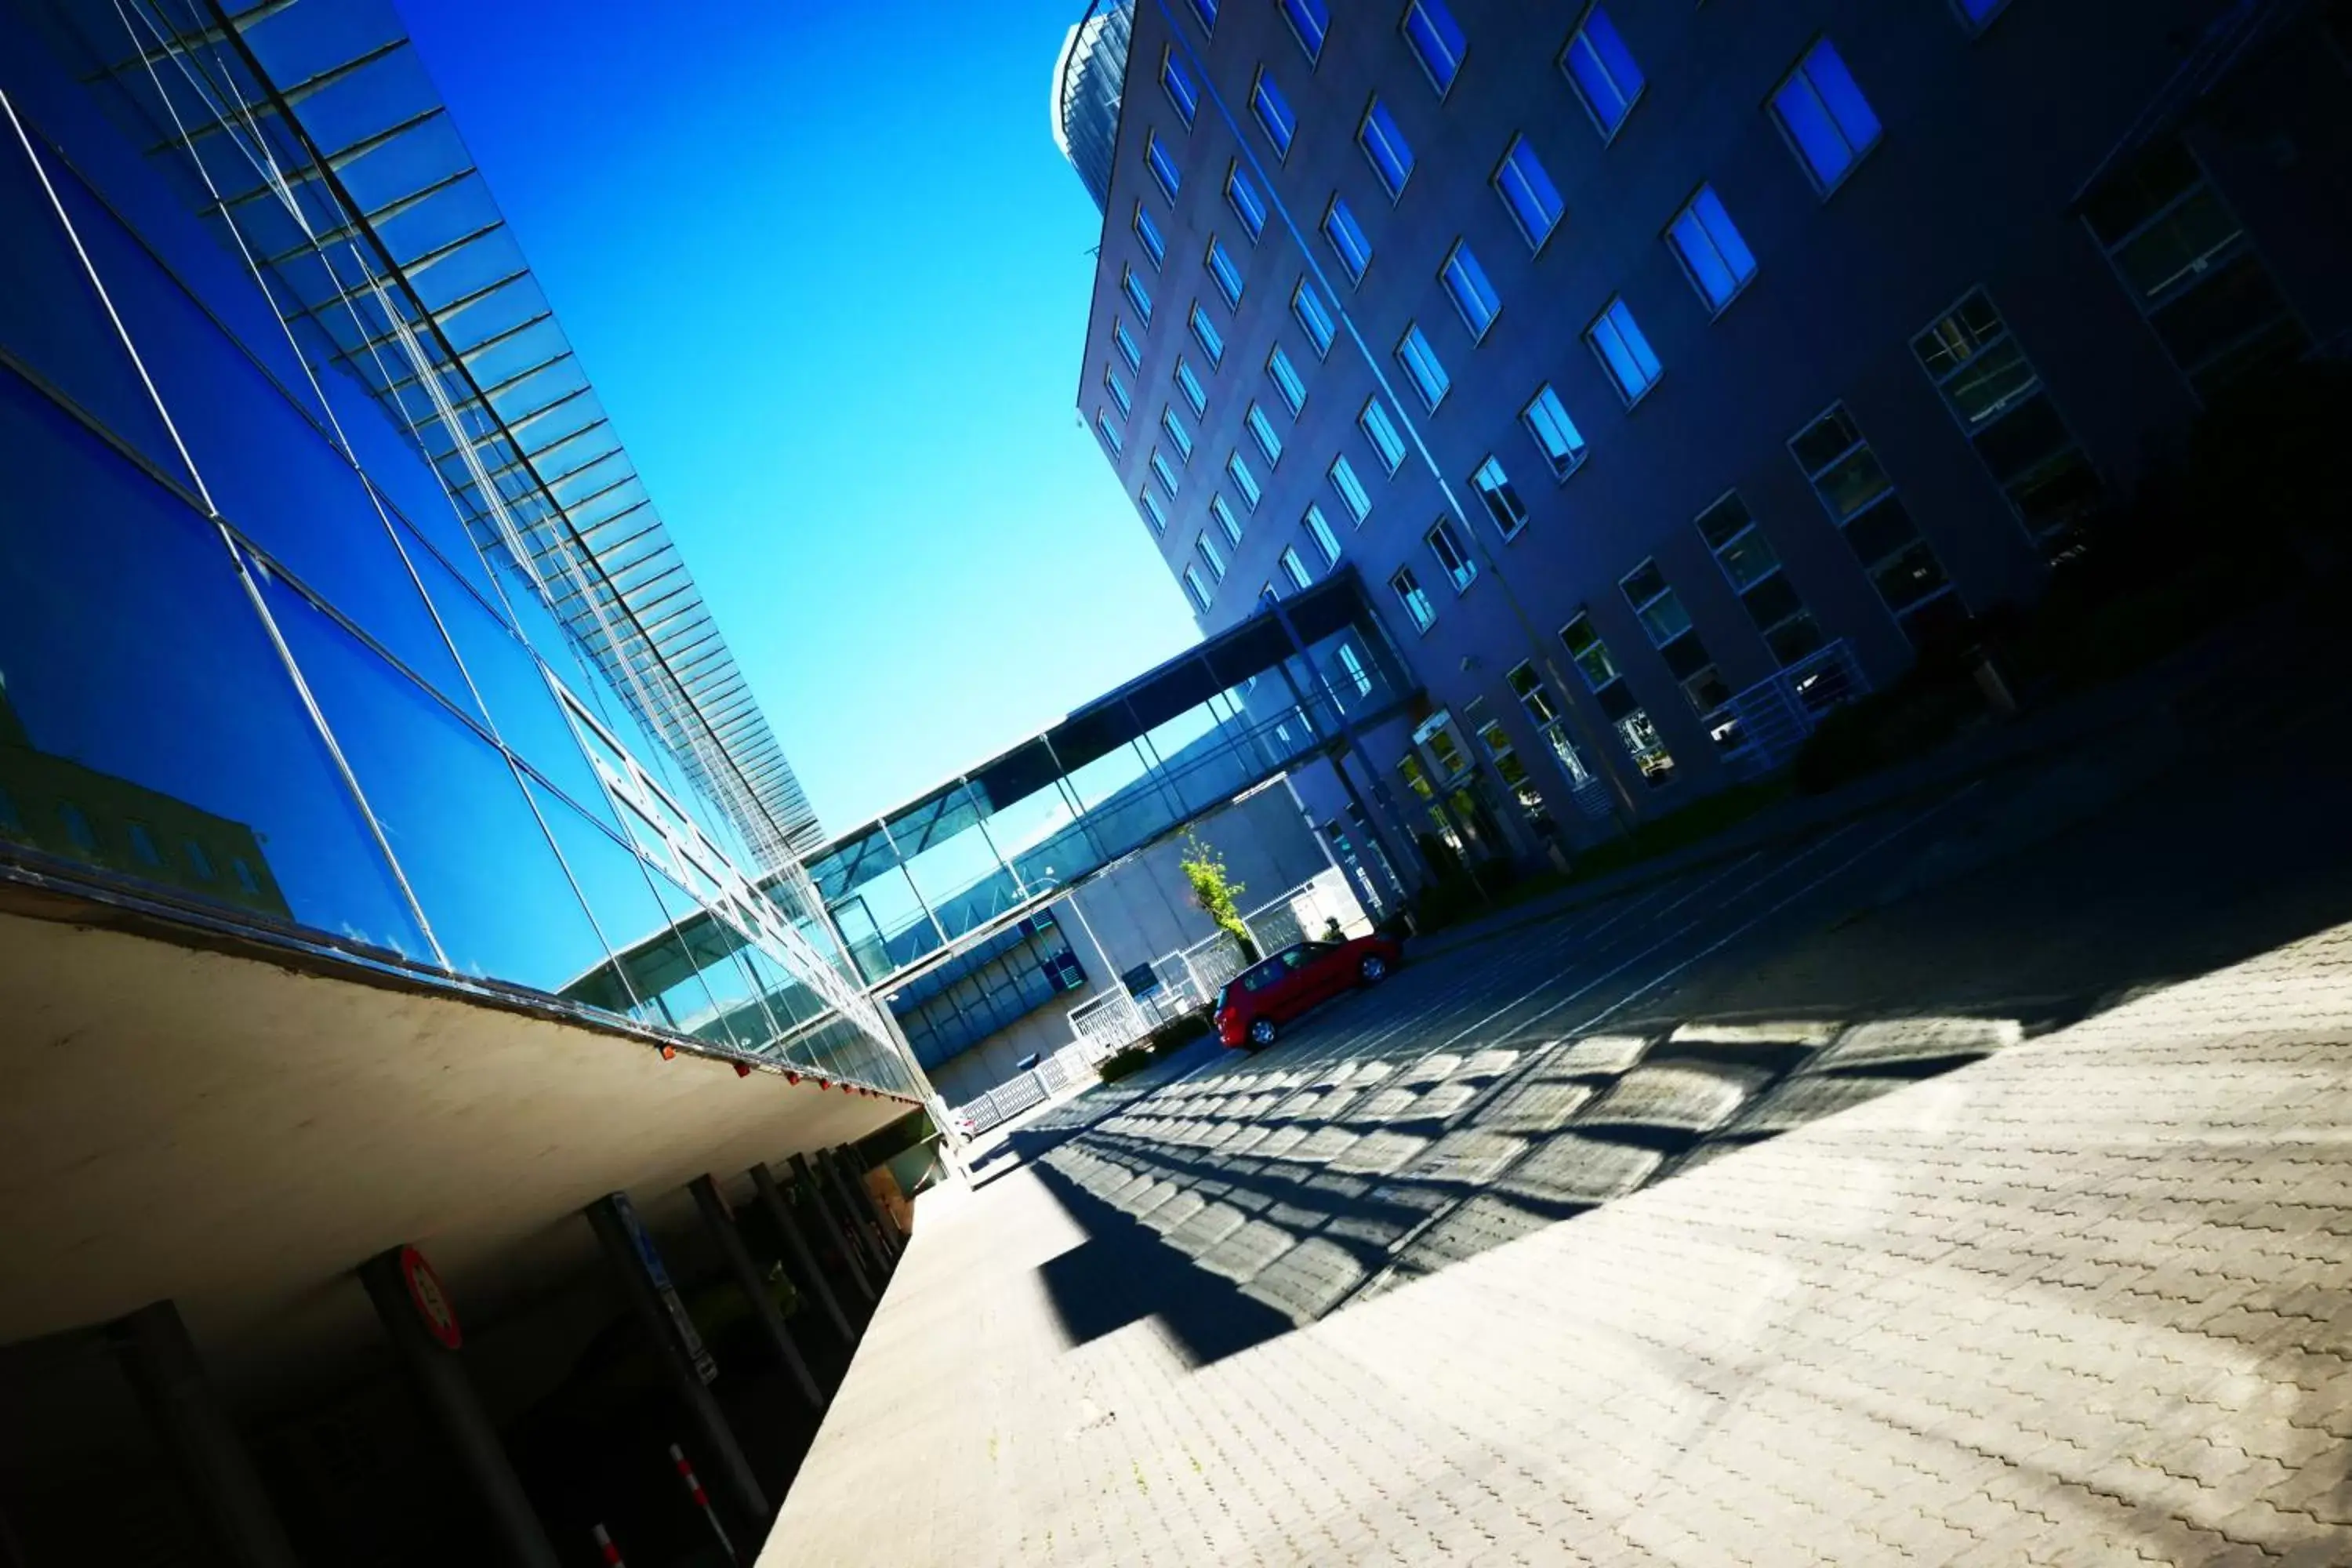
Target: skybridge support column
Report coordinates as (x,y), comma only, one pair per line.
(812,1277)
(1415,863)
(853,1260)
(421,1328)
(191,1427)
(654,1301)
(716,1219)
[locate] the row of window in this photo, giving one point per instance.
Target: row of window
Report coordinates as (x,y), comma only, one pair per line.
(2164,232)
(192,858)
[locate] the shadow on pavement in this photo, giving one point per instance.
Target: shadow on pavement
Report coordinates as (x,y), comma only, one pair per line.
(1234,1199)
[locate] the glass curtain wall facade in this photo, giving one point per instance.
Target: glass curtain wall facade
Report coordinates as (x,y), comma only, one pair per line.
(296,583)
(988,846)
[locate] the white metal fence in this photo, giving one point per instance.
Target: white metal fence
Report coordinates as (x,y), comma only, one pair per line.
(1186,981)
(1776,714)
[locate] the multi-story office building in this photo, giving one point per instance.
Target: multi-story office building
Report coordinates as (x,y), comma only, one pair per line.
(391,851)
(1670,372)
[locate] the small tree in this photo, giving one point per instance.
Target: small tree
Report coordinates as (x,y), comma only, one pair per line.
(1214,890)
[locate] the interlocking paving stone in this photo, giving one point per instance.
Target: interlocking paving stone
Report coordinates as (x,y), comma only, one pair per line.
(2086,1301)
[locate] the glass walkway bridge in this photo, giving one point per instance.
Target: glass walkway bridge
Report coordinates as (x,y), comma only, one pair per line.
(990,846)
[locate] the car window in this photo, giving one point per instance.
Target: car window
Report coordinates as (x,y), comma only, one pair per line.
(1265,975)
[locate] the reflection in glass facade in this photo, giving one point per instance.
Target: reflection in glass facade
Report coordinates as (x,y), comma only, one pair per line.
(987,848)
(1088,80)
(336,611)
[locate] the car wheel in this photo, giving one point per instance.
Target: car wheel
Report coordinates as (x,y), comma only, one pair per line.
(1262,1032)
(1374,969)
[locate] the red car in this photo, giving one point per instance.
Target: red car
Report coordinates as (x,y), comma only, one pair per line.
(1253,1004)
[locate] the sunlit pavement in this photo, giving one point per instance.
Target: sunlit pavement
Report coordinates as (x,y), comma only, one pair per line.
(1805,1207)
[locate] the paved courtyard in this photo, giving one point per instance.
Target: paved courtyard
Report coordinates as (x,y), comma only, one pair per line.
(1968,1184)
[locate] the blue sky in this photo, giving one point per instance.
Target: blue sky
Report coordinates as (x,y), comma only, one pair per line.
(830,278)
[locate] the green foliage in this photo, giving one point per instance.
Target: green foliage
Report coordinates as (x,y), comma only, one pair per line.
(1160,1044)
(1124,1064)
(1215,891)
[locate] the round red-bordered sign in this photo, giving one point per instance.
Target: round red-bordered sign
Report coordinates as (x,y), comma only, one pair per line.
(430,1298)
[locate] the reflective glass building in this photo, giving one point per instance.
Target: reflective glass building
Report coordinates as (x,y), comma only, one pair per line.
(336,613)
(1671,374)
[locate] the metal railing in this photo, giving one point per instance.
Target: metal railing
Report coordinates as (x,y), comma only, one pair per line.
(1188,980)
(1776,714)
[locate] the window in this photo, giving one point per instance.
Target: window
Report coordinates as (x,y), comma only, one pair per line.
(1660,610)
(1753,569)
(1624,352)
(1178,83)
(1503,503)
(1293,568)
(1453,555)
(1247,204)
(244,876)
(1504,756)
(1319,528)
(1417,608)
(1384,146)
(1161,471)
(1352,494)
(77,828)
(1603,69)
(1626,716)
(1155,245)
(1131,284)
(1273,113)
(142,843)
(2000,403)
(1533,200)
(1164,171)
(1237,469)
(1190,386)
(1437,41)
(1177,436)
(1205,333)
(1465,284)
(1861,500)
(1315,316)
(1111,437)
(1118,392)
(1262,431)
(1227,273)
(1716,260)
(1827,120)
(199,861)
(1420,366)
(1285,378)
(1554,432)
(1153,512)
(1208,551)
(1197,588)
(1536,702)
(1129,349)
(1311,21)
(1207,11)
(2183,257)
(1381,430)
(1347,240)
(1227,523)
